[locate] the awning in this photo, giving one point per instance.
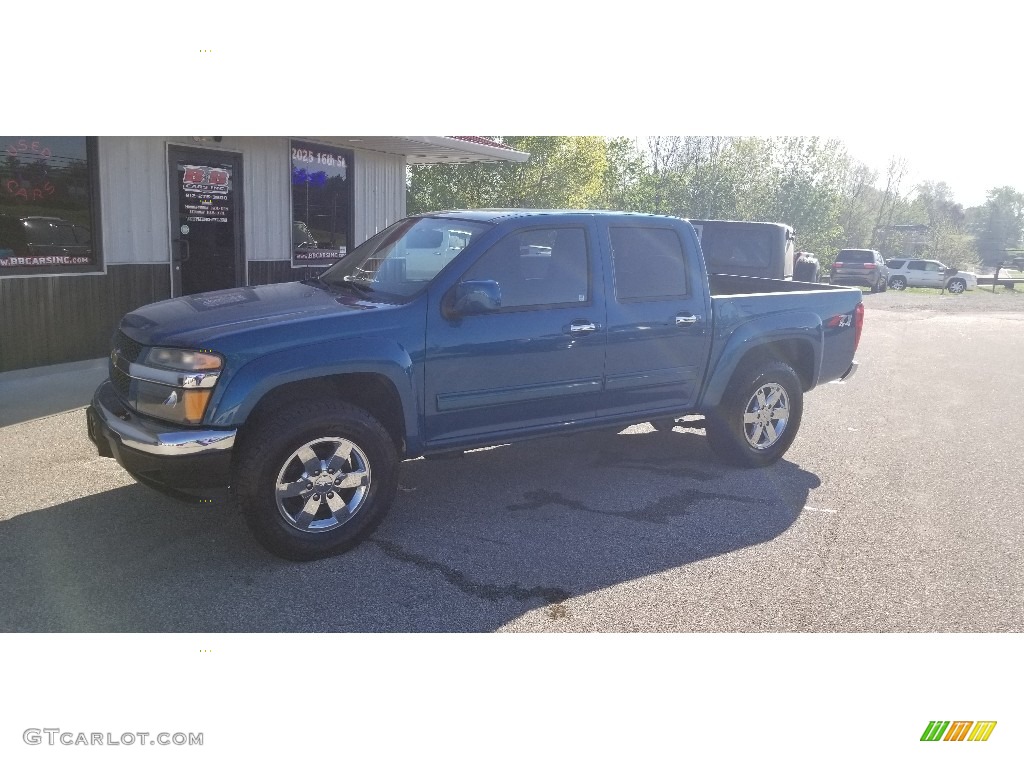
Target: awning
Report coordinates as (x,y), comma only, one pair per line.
(432,149)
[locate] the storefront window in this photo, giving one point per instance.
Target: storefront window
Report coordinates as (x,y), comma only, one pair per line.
(321,204)
(47,206)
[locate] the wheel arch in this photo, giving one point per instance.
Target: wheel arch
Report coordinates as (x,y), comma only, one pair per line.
(800,353)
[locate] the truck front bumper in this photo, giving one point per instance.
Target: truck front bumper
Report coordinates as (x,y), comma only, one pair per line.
(185,463)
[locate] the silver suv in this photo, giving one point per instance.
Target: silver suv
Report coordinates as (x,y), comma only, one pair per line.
(926,273)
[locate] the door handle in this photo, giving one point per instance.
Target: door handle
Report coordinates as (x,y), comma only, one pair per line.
(582,327)
(188,253)
(687,319)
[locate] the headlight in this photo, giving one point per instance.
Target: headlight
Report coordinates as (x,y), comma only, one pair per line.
(174,384)
(184,359)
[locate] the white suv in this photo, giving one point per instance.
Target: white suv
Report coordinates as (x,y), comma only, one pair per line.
(923,273)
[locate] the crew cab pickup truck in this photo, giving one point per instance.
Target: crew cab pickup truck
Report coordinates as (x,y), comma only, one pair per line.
(303,398)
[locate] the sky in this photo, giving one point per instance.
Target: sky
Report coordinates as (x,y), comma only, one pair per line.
(939,87)
(993,162)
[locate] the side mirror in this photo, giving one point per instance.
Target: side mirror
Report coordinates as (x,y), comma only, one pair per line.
(473,297)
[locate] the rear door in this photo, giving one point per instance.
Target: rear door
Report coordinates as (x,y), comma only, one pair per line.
(658,318)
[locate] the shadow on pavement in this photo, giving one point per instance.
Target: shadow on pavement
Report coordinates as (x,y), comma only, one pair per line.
(470,544)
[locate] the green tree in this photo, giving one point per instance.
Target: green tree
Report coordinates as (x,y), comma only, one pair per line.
(1001,223)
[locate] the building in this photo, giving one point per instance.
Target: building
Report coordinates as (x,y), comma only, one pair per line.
(91,228)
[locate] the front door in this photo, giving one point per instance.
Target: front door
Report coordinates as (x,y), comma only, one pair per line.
(206,220)
(537,360)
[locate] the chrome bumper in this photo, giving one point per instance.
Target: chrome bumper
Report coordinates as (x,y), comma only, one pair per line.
(147,436)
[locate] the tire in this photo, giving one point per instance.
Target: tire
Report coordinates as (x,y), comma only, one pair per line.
(315,478)
(663,425)
(883,286)
(733,429)
(898,283)
(957,286)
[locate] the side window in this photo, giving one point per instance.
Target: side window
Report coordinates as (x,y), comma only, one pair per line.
(915,265)
(648,263)
(931,266)
(537,267)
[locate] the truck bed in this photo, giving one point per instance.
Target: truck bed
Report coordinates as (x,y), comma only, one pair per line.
(738,285)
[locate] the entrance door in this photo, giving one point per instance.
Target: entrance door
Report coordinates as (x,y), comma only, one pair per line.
(206,220)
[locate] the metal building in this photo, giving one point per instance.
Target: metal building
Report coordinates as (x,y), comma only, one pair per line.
(91,228)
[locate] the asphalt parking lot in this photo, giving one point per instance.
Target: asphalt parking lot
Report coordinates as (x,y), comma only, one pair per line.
(897,509)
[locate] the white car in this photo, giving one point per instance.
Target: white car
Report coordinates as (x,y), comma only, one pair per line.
(924,273)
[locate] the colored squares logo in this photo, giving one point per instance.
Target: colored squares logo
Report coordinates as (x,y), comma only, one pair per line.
(958,730)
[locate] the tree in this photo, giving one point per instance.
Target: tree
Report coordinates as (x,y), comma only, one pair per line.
(1001,224)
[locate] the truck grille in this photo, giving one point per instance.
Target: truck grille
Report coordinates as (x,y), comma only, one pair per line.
(120,381)
(130,349)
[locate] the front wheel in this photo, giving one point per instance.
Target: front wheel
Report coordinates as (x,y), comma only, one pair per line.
(957,286)
(315,478)
(759,416)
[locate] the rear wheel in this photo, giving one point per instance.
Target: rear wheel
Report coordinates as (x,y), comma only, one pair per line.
(759,416)
(315,478)
(898,283)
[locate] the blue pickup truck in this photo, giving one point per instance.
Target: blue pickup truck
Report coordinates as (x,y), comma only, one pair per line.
(303,398)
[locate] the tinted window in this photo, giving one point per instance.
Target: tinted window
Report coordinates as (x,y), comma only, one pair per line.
(46,205)
(648,263)
(731,248)
(915,265)
(537,268)
(321,203)
(895,263)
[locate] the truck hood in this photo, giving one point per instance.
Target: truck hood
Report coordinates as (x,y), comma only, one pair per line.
(193,319)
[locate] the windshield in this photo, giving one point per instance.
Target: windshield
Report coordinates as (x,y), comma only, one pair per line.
(400,260)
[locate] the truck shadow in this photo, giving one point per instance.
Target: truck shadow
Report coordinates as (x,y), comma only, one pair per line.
(470,545)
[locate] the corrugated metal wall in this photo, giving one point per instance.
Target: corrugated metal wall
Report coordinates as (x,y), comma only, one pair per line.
(379,188)
(134,206)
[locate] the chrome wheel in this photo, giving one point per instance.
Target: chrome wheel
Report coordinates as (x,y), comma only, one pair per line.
(898,283)
(766,416)
(323,484)
(957,286)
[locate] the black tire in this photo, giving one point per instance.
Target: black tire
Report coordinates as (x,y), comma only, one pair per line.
(727,429)
(957,286)
(898,283)
(363,455)
(883,286)
(663,425)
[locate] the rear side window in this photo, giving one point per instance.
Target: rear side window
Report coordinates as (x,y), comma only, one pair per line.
(915,265)
(895,263)
(648,263)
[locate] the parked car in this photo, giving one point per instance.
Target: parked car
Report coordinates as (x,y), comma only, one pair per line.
(304,397)
(926,273)
(860,266)
(44,236)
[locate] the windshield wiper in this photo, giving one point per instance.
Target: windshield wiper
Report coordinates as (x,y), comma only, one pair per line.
(358,286)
